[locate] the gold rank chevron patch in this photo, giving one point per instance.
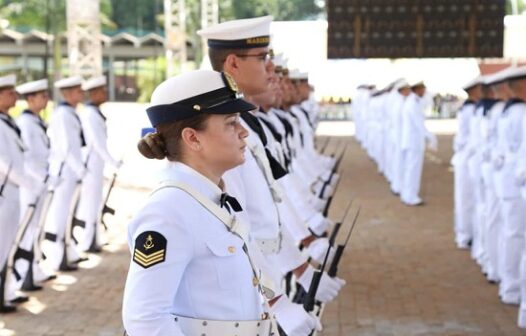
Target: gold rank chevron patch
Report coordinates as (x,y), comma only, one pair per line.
(150,249)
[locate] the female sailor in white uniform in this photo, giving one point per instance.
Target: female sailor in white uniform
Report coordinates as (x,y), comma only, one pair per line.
(191,273)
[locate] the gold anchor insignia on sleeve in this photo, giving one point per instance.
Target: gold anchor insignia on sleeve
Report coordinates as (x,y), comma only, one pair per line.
(150,249)
(149,242)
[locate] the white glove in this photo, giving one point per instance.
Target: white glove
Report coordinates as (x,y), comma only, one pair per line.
(319,224)
(520,178)
(328,288)
(293,319)
(37,189)
(53,182)
(498,162)
(81,174)
(318,249)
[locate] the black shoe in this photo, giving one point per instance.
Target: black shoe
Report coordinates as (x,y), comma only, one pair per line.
(49,278)
(19,299)
(79,260)
(31,287)
(68,268)
(6,309)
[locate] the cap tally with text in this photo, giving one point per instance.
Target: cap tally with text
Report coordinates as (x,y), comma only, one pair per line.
(68,82)
(9,80)
(239,34)
(193,93)
(32,87)
(94,83)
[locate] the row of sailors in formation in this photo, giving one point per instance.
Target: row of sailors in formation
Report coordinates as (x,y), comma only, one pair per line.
(390,126)
(50,177)
(490,181)
(244,188)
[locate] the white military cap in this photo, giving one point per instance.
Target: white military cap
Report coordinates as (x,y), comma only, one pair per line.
(472,83)
(298,75)
(239,34)
(68,82)
(94,82)
(418,83)
(193,93)
(9,80)
(517,73)
(498,77)
(32,87)
(401,83)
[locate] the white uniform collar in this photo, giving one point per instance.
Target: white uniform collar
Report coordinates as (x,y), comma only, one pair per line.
(183,172)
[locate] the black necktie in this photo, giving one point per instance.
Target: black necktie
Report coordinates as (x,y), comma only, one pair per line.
(253,122)
(229,202)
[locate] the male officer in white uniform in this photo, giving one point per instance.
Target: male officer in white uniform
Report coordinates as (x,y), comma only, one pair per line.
(36,156)
(414,135)
(13,176)
(96,155)
(403,90)
(240,48)
(518,85)
(67,166)
(464,200)
(513,207)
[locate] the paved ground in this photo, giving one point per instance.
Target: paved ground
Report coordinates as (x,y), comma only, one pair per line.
(405,277)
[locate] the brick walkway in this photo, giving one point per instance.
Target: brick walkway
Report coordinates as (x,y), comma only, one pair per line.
(405,277)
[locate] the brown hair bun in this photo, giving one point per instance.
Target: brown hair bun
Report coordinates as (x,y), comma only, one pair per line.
(152,146)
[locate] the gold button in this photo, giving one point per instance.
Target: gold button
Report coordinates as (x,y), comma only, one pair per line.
(255,281)
(197,107)
(231,249)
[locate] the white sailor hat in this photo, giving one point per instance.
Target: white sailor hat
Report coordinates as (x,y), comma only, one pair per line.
(472,83)
(239,34)
(298,75)
(497,77)
(9,80)
(32,87)
(94,83)
(68,82)
(400,84)
(417,84)
(193,93)
(280,62)
(517,73)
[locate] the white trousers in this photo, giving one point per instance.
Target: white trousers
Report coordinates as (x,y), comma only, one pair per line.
(511,248)
(9,220)
(397,169)
(464,205)
(56,224)
(493,226)
(90,206)
(413,165)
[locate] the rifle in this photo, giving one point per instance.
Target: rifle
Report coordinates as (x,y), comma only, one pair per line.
(333,269)
(324,147)
(329,200)
(333,171)
(107,209)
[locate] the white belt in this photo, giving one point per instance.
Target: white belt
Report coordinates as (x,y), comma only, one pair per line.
(269,246)
(197,327)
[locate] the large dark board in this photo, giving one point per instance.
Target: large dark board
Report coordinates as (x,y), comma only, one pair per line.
(415,28)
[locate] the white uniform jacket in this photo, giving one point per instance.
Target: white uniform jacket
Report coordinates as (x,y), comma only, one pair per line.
(37,143)
(66,138)
(414,131)
(185,262)
(510,139)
